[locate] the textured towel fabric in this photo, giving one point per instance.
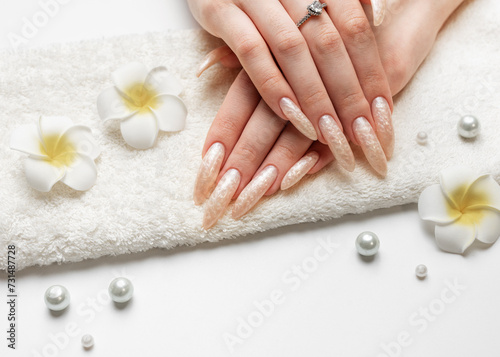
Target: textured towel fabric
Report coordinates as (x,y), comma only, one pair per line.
(143,198)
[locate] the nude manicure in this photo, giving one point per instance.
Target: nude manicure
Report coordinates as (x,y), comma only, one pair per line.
(253,192)
(378,8)
(298,119)
(299,170)
(365,135)
(220,198)
(208,172)
(212,58)
(337,142)
(383,124)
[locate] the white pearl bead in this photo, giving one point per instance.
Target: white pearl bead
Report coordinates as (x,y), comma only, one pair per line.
(57,298)
(421,271)
(121,290)
(87,341)
(422,138)
(468,127)
(367,244)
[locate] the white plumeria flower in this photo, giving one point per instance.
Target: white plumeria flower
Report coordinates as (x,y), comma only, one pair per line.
(58,150)
(464,206)
(145,102)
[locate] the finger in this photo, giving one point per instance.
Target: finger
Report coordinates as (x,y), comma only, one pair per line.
(222,54)
(244,39)
(354,28)
(226,128)
(255,142)
(288,149)
(317,157)
(294,58)
(379,8)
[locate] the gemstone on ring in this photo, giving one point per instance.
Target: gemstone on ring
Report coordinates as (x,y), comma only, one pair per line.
(315,9)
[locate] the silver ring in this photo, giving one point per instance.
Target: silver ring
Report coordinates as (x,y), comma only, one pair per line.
(315,9)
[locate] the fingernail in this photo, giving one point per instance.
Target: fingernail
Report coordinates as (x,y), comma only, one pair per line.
(254,191)
(208,172)
(212,58)
(370,145)
(298,119)
(299,170)
(378,7)
(383,125)
(337,142)
(220,198)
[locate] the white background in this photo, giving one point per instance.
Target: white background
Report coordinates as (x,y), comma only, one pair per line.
(189,301)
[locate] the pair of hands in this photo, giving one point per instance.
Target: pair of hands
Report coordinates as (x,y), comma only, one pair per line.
(335,81)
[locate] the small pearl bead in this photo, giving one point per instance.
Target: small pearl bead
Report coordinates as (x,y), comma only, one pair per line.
(57,298)
(422,138)
(367,244)
(121,290)
(87,341)
(468,127)
(421,271)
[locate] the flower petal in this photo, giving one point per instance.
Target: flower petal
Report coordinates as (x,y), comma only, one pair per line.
(41,174)
(140,130)
(161,81)
(83,141)
(483,193)
(27,139)
(111,105)
(455,182)
(171,112)
(457,236)
(434,206)
(82,174)
(488,227)
(53,126)
(129,76)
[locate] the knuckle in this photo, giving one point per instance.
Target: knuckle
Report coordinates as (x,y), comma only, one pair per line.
(314,97)
(248,153)
(290,44)
(287,152)
(270,81)
(248,47)
(226,127)
(374,77)
(329,41)
(358,29)
(353,99)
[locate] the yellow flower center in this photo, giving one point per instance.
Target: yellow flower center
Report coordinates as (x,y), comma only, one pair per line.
(464,197)
(140,98)
(59,149)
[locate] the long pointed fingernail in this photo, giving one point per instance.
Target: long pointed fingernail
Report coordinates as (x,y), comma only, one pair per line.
(208,172)
(367,139)
(383,125)
(254,191)
(337,142)
(212,58)
(220,198)
(298,119)
(299,170)
(379,8)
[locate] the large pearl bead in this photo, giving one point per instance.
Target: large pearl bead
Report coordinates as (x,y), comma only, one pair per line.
(57,298)
(121,290)
(468,127)
(422,138)
(367,244)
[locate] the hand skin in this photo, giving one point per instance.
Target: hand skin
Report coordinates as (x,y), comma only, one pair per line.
(404,40)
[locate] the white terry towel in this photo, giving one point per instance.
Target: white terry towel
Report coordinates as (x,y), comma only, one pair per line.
(143,199)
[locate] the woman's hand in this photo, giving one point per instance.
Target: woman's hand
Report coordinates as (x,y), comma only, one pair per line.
(404,42)
(327,73)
